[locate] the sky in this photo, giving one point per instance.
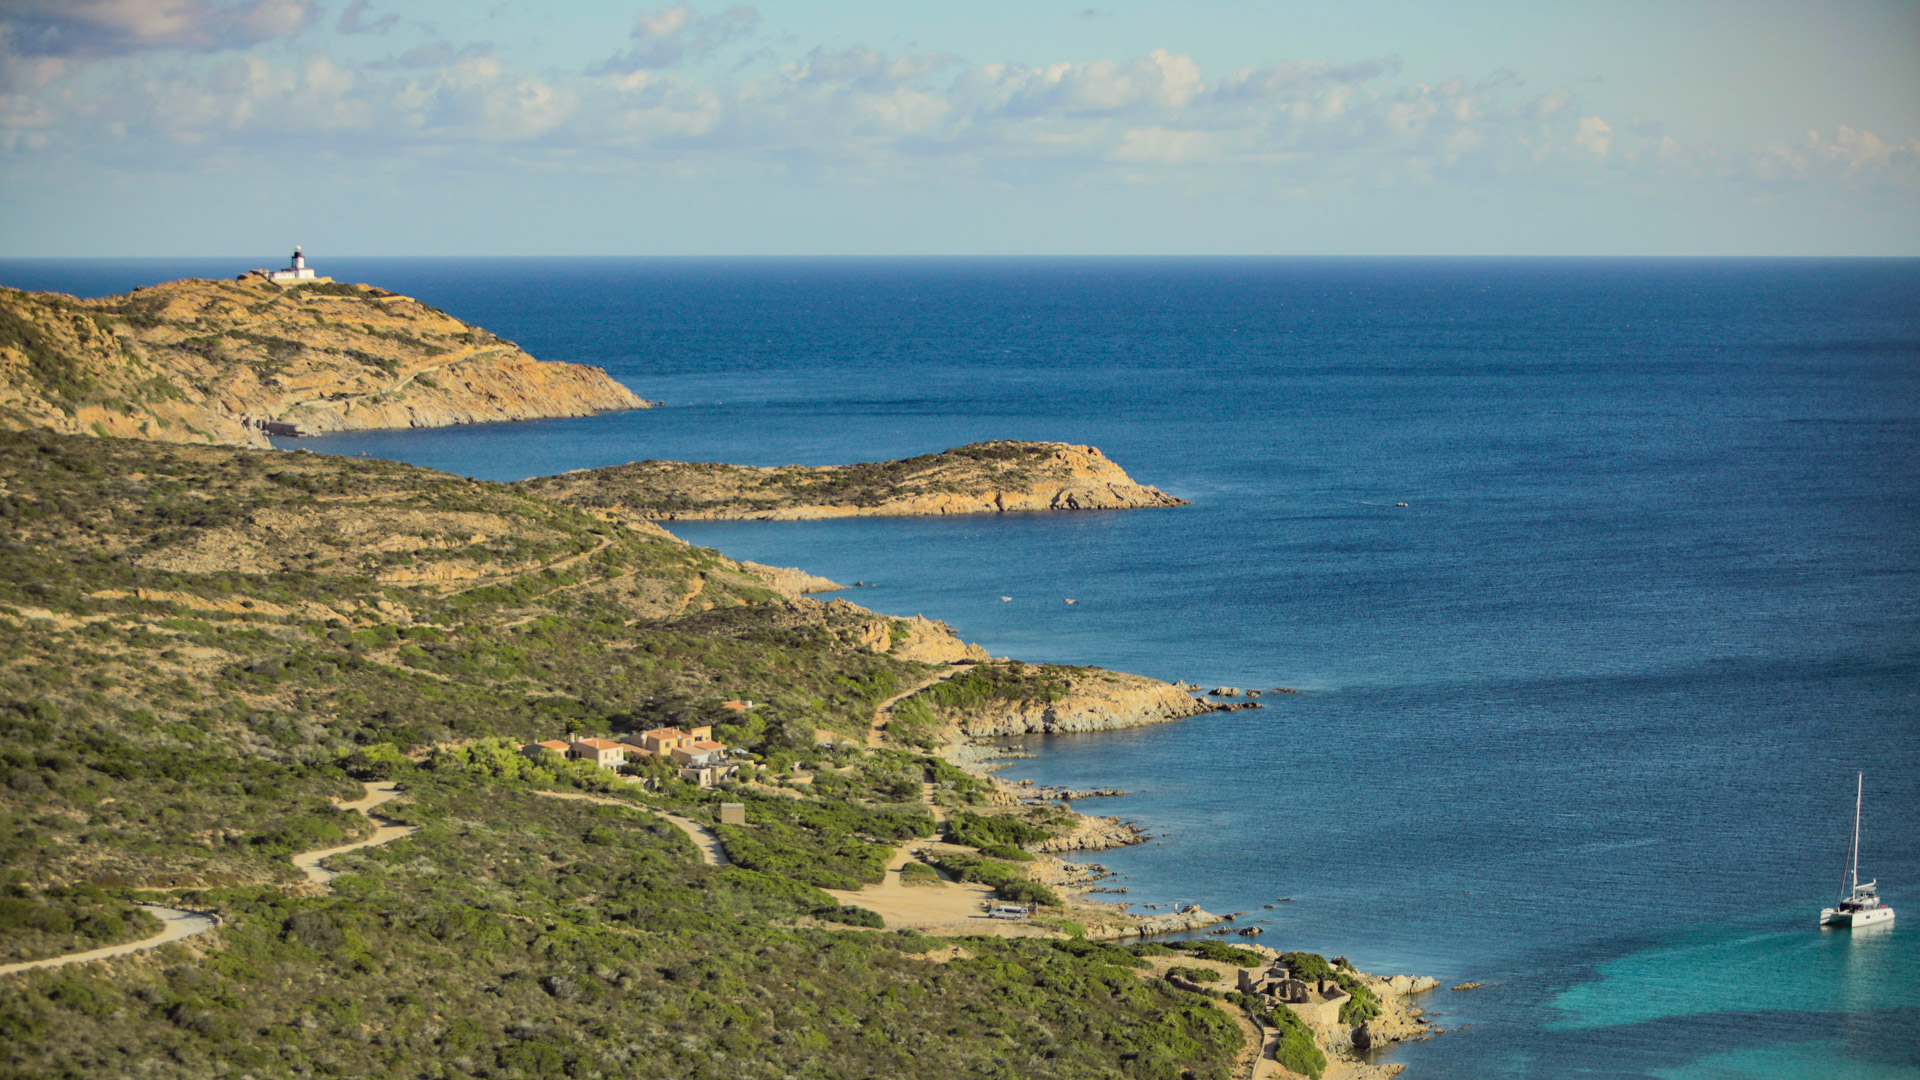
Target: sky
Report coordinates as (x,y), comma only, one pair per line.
(591,127)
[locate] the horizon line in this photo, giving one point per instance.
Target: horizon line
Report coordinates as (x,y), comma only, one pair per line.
(1004,256)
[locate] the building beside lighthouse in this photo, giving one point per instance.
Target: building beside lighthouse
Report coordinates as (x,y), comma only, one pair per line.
(296,273)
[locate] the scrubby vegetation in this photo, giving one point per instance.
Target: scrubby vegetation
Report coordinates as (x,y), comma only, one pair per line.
(1312,967)
(1008,881)
(1221,952)
(832,845)
(673,488)
(986,684)
(203,646)
(981,831)
(36,924)
(1296,1050)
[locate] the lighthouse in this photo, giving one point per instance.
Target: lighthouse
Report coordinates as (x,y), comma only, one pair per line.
(296,273)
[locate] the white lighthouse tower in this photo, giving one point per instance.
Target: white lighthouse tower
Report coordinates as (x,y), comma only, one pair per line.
(296,273)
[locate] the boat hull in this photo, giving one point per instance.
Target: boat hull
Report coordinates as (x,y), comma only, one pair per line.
(1855,919)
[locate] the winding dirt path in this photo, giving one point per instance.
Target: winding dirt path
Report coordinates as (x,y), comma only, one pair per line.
(178,924)
(387,833)
(703,838)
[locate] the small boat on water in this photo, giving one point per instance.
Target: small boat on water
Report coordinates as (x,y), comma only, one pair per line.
(1859,904)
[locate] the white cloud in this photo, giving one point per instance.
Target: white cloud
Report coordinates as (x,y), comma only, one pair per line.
(852,112)
(115,27)
(354,20)
(1166,146)
(667,36)
(1850,156)
(1593,135)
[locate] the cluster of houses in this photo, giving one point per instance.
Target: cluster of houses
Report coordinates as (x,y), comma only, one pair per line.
(696,757)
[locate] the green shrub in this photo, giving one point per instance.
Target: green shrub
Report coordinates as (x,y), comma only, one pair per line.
(1222,952)
(851,916)
(1296,1049)
(983,831)
(1104,952)
(1363,1006)
(1008,883)
(1306,966)
(1194,974)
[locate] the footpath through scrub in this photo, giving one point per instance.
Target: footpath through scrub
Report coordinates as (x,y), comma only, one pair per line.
(178,924)
(388,831)
(883,711)
(703,838)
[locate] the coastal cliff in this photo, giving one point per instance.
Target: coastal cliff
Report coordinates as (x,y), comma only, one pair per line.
(980,478)
(199,361)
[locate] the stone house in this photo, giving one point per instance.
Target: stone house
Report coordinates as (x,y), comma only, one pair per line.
(538,750)
(1315,1003)
(707,775)
(662,740)
(699,752)
(602,752)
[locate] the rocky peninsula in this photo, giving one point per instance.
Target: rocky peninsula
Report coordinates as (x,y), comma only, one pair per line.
(980,478)
(229,362)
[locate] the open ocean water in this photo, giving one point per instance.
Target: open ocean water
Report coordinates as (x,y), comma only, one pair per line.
(1580,722)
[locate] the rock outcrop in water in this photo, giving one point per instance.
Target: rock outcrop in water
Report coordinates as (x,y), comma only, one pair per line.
(981,478)
(199,361)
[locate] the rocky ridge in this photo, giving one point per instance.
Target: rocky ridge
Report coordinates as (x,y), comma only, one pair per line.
(980,478)
(200,361)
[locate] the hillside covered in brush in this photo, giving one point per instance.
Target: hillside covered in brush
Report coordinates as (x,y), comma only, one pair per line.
(205,645)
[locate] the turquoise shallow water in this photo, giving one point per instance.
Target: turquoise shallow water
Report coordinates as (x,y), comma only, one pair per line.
(1579,723)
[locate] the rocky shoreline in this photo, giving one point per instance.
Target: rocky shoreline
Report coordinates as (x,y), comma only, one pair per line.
(1347,1046)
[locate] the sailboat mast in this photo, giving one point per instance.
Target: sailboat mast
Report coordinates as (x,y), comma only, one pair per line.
(1859,786)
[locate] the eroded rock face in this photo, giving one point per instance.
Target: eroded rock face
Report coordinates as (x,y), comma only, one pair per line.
(981,478)
(791,581)
(1098,700)
(1191,919)
(1093,834)
(199,361)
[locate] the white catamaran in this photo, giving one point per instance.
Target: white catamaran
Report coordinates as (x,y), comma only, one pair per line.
(1859,904)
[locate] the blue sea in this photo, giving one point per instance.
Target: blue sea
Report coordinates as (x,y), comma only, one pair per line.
(1579,722)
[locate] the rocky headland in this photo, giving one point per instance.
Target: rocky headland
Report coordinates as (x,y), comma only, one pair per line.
(1025,699)
(200,361)
(981,478)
